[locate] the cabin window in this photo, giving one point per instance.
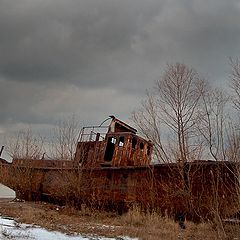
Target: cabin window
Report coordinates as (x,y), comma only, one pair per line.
(141,146)
(121,142)
(110,149)
(134,143)
(148,150)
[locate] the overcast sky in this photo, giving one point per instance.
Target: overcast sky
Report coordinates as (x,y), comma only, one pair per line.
(94,58)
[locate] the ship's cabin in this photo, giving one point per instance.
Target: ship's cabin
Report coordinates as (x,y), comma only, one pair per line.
(119,146)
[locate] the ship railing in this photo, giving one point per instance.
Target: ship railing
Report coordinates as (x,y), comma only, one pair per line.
(92,133)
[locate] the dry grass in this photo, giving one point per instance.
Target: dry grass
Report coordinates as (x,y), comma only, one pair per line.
(152,226)
(134,223)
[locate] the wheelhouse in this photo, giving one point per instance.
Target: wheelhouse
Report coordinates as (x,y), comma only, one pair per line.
(119,147)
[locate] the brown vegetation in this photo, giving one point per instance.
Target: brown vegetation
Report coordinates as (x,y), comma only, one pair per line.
(187,121)
(134,223)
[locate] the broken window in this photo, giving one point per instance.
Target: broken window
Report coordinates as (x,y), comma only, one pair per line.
(110,149)
(134,143)
(121,141)
(148,150)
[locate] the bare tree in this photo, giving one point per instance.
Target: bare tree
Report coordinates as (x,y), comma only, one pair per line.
(148,122)
(25,144)
(213,122)
(235,81)
(233,143)
(233,134)
(65,139)
(173,107)
(180,90)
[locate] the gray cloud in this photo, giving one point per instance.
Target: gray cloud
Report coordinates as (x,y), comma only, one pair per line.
(60,40)
(95,58)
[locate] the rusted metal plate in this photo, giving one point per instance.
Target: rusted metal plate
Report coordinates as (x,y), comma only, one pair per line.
(114,172)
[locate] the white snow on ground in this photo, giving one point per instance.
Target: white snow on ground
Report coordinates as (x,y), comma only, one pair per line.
(10,229)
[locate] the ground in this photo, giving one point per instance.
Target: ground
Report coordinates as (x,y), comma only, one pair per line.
(89,221)
(63,219)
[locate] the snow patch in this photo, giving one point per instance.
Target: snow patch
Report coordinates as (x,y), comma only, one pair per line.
(10,229)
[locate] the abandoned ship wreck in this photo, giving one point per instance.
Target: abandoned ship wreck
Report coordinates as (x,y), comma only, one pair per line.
(114,171)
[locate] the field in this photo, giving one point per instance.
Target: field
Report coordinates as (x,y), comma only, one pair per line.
(132,224)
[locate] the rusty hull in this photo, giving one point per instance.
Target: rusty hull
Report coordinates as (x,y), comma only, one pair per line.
(114,173)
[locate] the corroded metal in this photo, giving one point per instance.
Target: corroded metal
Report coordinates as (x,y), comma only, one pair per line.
(120,147)
(113,171)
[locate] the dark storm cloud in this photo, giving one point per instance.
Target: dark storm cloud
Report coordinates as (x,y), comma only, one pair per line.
(59,40)
(200,33)
(97,57)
